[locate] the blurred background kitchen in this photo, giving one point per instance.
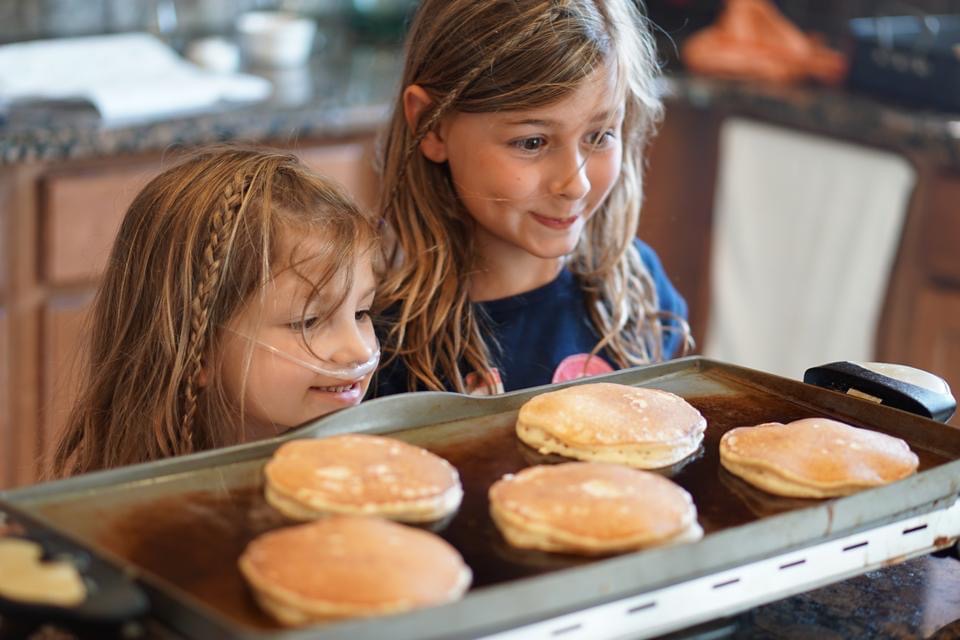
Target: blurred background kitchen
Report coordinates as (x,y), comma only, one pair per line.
(804,194)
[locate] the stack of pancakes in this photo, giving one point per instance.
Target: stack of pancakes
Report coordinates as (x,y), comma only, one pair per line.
(591,508)
(361,475)
(815,458)
(605,422)
(349,566)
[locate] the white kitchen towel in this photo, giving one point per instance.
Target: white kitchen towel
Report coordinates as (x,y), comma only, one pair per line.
(128,77)
(806,230)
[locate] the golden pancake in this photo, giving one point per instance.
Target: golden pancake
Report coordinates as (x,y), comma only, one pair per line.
(591,508)
(347,566)
(605,422)
(361,475)
(815,458)
(26,577)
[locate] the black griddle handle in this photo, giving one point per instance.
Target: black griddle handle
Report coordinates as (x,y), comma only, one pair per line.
(114,604)
(848,377)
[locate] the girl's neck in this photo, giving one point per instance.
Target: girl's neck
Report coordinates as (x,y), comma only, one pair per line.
(502,274)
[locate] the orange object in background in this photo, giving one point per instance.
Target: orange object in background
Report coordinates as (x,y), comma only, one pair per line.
(752,39)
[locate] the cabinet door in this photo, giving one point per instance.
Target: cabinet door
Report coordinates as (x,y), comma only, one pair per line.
(942,229)
(7,437)
(80,213)
(935,338)
(64,327)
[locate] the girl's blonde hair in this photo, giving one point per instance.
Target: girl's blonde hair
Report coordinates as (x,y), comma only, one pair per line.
(195,246)
(505,55)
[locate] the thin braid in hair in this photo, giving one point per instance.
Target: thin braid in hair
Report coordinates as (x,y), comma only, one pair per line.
(221,222)
(427,124)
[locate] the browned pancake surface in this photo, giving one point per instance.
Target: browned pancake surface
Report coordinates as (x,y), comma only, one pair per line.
(821,453)
(604,502)
(356,561)
(360,470)
(607,414)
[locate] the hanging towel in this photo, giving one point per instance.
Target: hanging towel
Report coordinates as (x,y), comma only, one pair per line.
(806,231)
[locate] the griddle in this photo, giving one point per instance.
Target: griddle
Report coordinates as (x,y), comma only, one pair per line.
(177,526)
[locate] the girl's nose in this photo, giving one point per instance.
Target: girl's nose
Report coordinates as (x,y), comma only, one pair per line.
(353,344)
(570,178)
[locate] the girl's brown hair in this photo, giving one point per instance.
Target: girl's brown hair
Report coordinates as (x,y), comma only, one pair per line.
(503,55)
(195,245)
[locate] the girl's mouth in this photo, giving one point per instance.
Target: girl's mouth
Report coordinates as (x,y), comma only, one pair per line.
(346,390)
(555,223)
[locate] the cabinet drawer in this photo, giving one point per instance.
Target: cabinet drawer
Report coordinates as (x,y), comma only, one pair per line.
(80,214)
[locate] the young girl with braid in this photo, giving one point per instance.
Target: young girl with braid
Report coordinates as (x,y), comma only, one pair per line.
(235,306)
(512,190)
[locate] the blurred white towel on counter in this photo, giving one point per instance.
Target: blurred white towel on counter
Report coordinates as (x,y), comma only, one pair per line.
(806,230)
(128,77)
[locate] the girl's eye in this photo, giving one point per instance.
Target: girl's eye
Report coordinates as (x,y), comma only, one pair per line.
(363,316)
(530,144)
(310,322)
(600,138)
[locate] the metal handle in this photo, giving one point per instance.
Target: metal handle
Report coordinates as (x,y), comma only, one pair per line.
(898,386)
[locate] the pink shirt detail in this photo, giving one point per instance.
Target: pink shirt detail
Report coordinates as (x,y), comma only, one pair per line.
(580,365)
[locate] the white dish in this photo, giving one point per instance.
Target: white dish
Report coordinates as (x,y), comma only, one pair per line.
(275,39)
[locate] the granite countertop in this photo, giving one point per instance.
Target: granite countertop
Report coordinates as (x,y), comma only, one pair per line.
(343,91)
(348,89)
(829,111)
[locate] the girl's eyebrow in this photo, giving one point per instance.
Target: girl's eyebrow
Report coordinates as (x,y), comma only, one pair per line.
(606,116)
(536,122)
(600,116)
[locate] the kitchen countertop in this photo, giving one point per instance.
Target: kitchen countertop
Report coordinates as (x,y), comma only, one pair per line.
(348,89)
(832,112)
(342,92)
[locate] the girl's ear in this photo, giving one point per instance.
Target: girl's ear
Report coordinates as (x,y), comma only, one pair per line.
(416,101)
(202,377)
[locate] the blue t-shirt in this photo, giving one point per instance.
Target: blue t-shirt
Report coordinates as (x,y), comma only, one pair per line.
(535,336)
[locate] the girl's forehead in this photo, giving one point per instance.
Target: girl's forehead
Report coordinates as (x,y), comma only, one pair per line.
(297,285)
(597,98)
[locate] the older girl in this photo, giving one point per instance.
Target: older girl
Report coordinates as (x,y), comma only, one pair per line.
(512,187)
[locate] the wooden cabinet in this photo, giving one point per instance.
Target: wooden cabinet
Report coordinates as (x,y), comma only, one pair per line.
(62,336)
(677,215)
(6,426)
(935,345)
(941,229)
(57,226)
(81,211)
